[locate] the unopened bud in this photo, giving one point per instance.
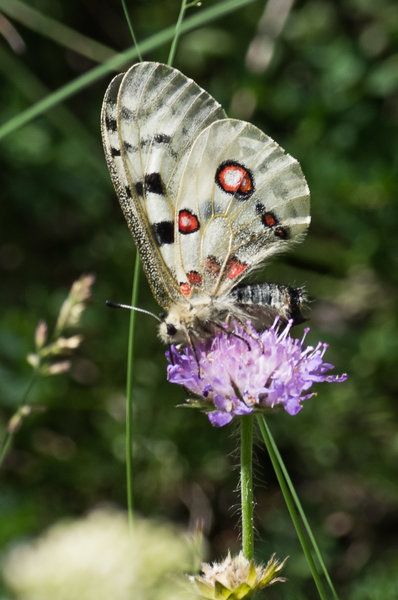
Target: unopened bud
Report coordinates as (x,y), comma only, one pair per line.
(33,360)
(81,288)
(57,368)
(69,343)
(41,334)
(75,303)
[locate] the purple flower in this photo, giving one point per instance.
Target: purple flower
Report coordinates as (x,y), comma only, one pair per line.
(237,372)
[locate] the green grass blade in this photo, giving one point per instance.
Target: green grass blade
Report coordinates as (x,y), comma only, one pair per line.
(118,62)
(63,119)
(290,506)
(56,31)
(302,514)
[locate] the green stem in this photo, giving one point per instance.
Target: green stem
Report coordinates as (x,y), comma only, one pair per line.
(5,446)
(130,25)
(178,29)
(15,421)
(129,392)
(130,351)
(177,33)
(246,484)
(266,434)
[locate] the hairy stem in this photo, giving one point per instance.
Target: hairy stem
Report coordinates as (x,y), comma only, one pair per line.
(246,484)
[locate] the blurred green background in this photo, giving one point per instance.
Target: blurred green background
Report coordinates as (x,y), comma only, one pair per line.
(321,79)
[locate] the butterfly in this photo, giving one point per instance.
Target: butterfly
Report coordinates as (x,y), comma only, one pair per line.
(207,200)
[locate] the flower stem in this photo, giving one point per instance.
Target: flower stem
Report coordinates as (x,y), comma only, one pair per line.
(246,484)
(129,392)
(5,446)
(16,421)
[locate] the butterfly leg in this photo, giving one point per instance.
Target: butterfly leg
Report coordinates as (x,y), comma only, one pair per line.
(190,332)
(249,333)
(171,355)
(231,332)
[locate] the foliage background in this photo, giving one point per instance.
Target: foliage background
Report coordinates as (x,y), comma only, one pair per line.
(329,96)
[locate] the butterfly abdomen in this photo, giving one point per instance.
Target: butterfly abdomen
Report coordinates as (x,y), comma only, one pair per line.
(265,301)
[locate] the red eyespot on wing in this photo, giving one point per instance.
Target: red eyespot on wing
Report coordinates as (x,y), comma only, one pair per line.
(185,289)
(269,219)
(282,232)
(187,222)
(234,268)
(212,265)
(195,278)
(234,178)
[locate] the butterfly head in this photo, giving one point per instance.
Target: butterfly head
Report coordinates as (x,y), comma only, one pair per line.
(173,326)
(187,318)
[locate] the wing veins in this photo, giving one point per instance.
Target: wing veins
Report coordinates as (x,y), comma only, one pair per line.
(135,198)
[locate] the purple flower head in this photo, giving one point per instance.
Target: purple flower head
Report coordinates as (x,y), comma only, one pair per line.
(237,372)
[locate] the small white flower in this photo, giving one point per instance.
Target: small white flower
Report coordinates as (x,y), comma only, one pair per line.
(99,558)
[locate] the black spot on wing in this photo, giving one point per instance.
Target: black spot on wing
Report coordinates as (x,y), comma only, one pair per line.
(126,113)
(161,138)
(128,147)
(158,138)
(110,123)
(139,188)
(154,183)
(115,152)
(164,232)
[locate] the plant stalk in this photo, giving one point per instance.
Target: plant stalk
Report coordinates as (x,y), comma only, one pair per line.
(246,484)
(129,392)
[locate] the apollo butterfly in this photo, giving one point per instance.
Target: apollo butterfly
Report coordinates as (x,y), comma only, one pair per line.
(206,198)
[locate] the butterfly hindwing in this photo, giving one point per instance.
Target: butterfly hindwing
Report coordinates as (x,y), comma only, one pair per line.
(151,116)
(244,198)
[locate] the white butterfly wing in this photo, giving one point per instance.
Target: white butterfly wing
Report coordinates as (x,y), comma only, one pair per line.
(150,118)
(241,199)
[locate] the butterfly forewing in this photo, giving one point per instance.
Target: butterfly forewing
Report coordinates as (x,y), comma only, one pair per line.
(150,118)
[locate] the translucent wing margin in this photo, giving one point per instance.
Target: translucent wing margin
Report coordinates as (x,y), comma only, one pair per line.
(150,118)
(249,199)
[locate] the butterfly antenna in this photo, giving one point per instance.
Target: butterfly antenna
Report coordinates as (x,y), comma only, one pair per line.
(141,310)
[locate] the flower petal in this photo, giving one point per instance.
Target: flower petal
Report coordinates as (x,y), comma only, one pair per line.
(242,370)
